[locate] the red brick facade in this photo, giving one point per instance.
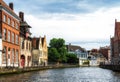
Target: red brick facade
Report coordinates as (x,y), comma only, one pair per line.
(9,28)
(115,44)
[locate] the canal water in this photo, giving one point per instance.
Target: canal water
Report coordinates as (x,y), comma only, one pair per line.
(80,74)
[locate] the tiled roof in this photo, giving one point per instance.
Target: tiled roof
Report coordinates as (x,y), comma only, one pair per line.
(74,48)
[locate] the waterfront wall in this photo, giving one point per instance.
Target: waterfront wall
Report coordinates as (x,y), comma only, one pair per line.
(7,71)
(111,67)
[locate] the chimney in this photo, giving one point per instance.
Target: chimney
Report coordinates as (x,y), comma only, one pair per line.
(11,5)
(21,15)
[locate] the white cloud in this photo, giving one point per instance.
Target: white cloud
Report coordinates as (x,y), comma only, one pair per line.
(91,26)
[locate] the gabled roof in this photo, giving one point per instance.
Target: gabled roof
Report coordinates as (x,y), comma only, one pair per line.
(35,43)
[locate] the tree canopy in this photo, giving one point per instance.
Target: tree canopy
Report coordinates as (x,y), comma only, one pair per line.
(57,52)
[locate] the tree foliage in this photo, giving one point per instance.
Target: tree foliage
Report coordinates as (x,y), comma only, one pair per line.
(57,52)
(59,45)
(53,55)
(72,58)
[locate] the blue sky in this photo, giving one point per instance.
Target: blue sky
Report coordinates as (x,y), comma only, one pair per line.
(88,23)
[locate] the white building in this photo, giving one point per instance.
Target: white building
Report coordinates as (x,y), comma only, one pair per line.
(80,52)
(92,60)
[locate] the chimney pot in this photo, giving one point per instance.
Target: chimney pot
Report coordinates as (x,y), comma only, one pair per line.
(21,15)
(11,5)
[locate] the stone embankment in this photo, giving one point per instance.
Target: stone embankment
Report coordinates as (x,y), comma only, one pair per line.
(7,71)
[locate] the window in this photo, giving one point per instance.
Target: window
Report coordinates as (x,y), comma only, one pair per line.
(23,44)
(13,23)
(26,45)
(16,26)
(12,37)
(4,34)
(16,56)
(17,39)
(13,51)
(8,36)
(9,20)
(4,55)
(4,18)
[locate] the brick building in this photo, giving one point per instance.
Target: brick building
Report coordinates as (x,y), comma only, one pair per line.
(9,28)
(115,45)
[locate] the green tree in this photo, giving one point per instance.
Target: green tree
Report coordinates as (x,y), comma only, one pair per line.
(53,55)
(63,53)
(59,45)
(72,58)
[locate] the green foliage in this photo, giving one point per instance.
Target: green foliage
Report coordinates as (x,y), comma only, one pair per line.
(59,45)
(53,55)
(72,58)
(57,52)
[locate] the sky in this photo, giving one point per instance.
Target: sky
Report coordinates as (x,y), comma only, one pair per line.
(87,23)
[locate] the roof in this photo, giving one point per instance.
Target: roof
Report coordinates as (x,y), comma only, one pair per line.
(74,48)
(24,24)
(8,9)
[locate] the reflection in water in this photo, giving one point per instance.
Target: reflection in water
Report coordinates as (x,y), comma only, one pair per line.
(82,74)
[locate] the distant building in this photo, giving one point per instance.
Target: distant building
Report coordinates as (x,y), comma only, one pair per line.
(105,51)
(96,58)
(10,29)
(92,60)
(39,51)
(26,43)
(115,45)
(101,59)
(80,52)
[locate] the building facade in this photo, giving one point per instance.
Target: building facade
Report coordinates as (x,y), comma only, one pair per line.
(80,52)
(26,43)
(115,45)
(1,50)
(105,51)
(39,51)
(9,28)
